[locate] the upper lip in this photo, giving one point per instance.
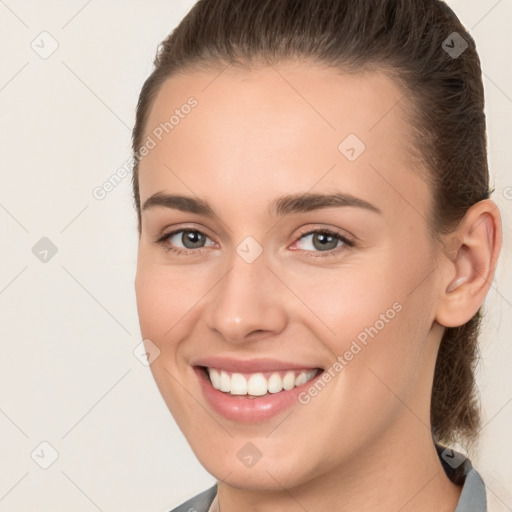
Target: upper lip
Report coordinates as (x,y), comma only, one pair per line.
(250,365)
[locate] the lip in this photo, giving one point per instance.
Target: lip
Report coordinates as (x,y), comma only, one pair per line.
(250,365)
(250,410)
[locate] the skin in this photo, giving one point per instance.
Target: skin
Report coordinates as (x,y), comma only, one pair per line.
(364,441)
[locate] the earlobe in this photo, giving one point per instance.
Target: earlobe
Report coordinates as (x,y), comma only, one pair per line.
(470,264)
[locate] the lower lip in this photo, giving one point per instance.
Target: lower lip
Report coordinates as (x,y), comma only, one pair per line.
(249,410)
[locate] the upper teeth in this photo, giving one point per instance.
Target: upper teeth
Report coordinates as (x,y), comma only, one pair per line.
(256,384)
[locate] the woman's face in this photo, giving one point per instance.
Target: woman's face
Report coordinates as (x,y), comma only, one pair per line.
(252,291)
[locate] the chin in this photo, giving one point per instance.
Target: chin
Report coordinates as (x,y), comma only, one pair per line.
(267,474)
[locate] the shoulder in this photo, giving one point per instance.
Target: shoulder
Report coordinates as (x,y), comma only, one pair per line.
(199,503)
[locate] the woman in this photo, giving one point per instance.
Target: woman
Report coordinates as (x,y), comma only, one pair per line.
(316,240)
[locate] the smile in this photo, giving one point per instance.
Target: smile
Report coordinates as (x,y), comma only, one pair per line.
(252,391)
(258,384)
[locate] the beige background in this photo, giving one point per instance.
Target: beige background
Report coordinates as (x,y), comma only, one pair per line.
(68,375)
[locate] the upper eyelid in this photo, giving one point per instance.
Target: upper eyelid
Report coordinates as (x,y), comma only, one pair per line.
(323,230)
(345,239)
(173,232)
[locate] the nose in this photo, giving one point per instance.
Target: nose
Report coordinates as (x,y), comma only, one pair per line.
(248,303)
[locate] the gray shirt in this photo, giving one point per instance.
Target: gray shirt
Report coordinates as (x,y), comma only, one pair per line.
(458,468)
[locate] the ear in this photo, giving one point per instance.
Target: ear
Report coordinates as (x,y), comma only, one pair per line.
(469,262)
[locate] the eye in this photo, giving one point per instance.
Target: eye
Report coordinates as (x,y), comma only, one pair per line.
(187,241)
(323,240)
(190,240)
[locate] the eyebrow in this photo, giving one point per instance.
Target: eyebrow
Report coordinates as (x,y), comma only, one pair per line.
(284,205)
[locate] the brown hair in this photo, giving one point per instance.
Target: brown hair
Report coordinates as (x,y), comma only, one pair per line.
(409,39)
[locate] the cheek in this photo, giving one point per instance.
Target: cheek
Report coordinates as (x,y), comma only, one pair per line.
(152,302)
(162,306)
(165,296)
(379,332)
(372,316)
(344,302)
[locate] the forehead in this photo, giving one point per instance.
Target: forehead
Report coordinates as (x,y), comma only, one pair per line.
(322,98)
(285,125)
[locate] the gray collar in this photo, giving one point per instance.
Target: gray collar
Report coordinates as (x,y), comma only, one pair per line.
(461,472)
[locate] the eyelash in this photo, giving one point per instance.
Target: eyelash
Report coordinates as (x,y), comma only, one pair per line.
(163,241)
